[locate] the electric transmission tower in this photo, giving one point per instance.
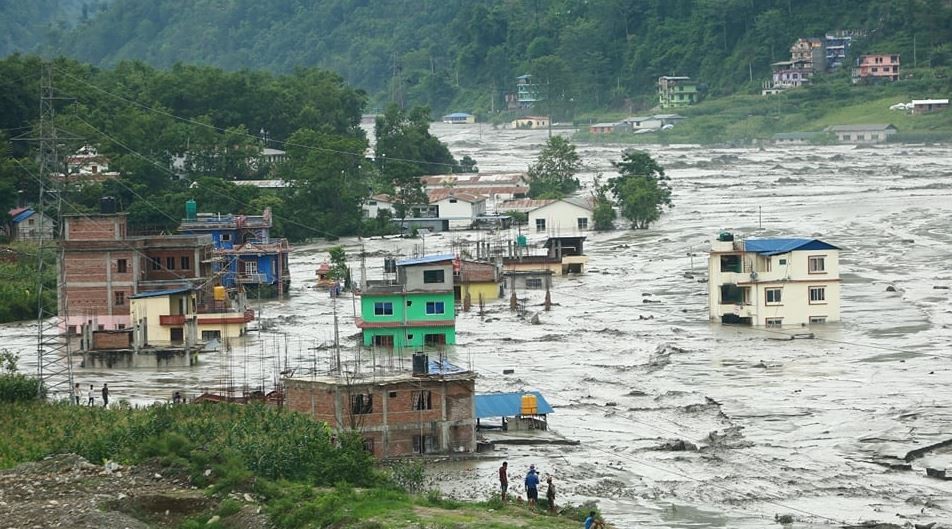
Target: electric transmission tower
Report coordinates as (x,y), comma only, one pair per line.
(54,362)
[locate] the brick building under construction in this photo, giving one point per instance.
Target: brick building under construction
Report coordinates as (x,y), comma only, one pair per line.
(431,410)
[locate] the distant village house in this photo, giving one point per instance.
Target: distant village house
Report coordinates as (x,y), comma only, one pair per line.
(862,134)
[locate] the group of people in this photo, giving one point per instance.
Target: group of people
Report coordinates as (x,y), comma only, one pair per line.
(91,400)
(531,482)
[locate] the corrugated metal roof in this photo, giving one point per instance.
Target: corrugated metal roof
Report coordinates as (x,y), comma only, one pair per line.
(780,246)
(21,215)
(159,293)
(508,404)
(869,127)
(458,115)
(427,259)
(444,367)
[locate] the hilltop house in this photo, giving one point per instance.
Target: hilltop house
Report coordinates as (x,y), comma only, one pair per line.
(773,282)
(837,46)
(417,310)
(527,92)
(862,134)
(877,67)
(923,106)
(248,256)
(26,224)
(676,91)
(87,165)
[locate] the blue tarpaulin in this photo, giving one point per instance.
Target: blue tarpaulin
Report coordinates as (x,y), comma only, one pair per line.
(508,404)
(426,259)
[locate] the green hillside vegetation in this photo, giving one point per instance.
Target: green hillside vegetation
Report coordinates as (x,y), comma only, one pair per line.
(305,476)
(833,100)
(462,55)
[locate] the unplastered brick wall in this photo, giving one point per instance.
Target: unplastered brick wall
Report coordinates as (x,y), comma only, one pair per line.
(93,228)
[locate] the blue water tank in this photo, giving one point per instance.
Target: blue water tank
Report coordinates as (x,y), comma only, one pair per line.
(191,209)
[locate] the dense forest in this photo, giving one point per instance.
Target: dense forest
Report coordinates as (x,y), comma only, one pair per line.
(463,55)
(191,131)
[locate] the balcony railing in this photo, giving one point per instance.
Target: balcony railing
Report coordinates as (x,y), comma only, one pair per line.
(172,319)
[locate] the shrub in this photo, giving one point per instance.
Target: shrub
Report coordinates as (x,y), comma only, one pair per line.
(17,387)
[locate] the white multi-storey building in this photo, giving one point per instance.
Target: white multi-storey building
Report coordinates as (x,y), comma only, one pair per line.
(773,282)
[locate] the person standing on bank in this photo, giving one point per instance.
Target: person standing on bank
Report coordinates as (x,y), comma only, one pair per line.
(550,493)
(532,485)
(77,393)
(504,479)
(92,396)
(105,395)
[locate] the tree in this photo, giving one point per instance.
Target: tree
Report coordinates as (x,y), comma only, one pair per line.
(339,270)
(553,173)
(641,188)
(603,213)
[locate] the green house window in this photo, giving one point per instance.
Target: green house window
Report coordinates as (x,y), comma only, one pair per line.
(433,276)
(384,308)
(434,307)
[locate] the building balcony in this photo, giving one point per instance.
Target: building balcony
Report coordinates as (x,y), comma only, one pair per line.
(172,319)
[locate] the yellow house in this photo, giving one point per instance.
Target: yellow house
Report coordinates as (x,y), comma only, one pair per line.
(478,281)
(223,318)
(164,318)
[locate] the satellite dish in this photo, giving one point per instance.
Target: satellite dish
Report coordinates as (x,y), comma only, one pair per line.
(753,276)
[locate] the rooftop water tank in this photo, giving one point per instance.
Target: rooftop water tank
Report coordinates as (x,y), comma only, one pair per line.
(530,405)
(220,293)
(725,236)
(522,241)
(421,364)
(191,209)
(107,205)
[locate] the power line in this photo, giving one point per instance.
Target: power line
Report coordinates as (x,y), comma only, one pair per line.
(249,135)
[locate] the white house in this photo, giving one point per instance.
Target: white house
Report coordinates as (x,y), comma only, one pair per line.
(373,205)
(565,216)
(773,282)
(459,208)
(89,166)
(644,123)
(862,134)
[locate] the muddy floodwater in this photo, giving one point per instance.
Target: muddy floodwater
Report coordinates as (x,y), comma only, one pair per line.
(627,356)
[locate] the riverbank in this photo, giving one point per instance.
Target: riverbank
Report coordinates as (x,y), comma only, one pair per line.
(215,466)
(743,119)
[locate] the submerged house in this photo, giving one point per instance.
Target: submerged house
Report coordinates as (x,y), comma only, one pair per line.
(429,410)
(518,411)
(416,310)
(476,281)
(773,282)
(247,254)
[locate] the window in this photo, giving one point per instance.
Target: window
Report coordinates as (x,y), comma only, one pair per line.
(433,276)
(421,400)
(730,263)
(817,294)
(393,394)
(453,201)
(422,444)
(383,340)
(170,263)
(185,262)
(434,340)
(534,282)
(120,326)
(371,202)
(211,335)
(782,262)
(435,307)
(383,308)
(583,223)
(362,404)
(225,237)
(119,298)
(121,266)
(155,263)
(773,295)
(369,444)
(817,264)
(251,267)
(774,322)
(817,319)
(540,224)
(32,222)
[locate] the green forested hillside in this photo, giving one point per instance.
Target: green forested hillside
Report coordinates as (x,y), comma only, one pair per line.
(457,53)
(26,24)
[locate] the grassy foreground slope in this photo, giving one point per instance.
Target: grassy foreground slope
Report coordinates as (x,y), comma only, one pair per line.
(299,474)
(831,101)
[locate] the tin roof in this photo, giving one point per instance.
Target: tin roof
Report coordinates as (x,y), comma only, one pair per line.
(427,259)
(508,404)
(781,246)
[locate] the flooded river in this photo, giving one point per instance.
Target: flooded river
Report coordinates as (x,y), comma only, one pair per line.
(630,361)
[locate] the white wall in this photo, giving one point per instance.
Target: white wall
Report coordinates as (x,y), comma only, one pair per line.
(560,218)
(460,212)
(371,207)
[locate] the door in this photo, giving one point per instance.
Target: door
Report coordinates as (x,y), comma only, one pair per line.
(177,335)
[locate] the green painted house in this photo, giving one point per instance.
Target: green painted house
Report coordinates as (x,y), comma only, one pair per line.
(676,91)
(414,312)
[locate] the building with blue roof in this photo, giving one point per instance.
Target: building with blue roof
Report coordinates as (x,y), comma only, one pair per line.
(459,118)
(773,282)
(27,224)
(521,410)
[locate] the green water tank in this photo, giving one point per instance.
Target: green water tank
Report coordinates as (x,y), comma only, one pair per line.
(191,209)
(521,241)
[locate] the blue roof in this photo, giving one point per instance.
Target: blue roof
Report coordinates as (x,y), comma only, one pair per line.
(507,404)
(159,293)
(23,215)
(436,367)
(780,246)
(458,115)
(427,259)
